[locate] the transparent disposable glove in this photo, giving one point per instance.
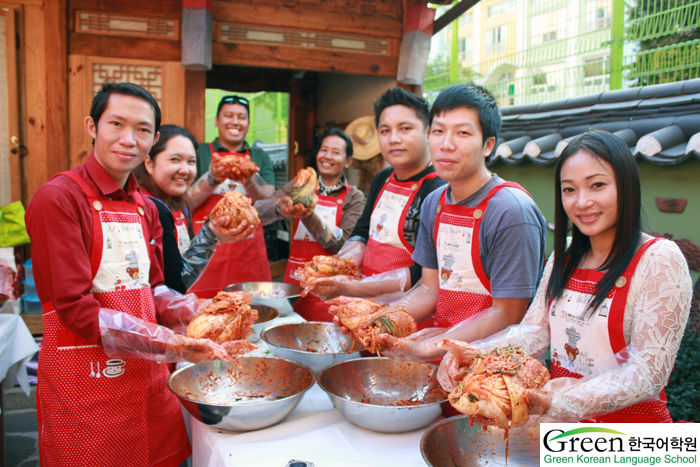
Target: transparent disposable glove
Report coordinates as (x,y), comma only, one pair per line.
(219,172)
(173,309)
(425,344)
(327,288)
(126,336)
(242,231)
(353,250)
(197,256)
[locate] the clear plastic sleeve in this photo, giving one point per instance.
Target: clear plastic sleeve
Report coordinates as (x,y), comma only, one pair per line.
(126,336)
(325,233)
(197,256)
(173,309)
(388,282)
(353,250)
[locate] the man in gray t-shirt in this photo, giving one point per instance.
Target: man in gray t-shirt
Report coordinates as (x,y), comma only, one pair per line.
(481,241)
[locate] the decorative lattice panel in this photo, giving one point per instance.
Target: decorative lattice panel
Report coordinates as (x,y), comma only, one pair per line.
(149,77)
(122,25)
(229,32)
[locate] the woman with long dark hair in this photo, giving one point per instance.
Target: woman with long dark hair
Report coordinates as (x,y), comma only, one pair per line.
(165,176)
(613,301)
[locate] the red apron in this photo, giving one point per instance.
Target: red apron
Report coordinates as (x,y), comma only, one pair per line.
(465,290)
(304,247)
(387,248)
(226,266)
(97,410)
(579,344)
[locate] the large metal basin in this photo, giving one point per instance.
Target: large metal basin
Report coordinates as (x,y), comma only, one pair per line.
(269,388)
(315,344)
(266,314)
(278,295)
(453,443)
(370,392)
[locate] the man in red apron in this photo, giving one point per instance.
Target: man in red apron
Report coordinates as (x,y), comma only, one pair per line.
(385,235)
(96,245)
(323,230)
(481,242)
(244,261)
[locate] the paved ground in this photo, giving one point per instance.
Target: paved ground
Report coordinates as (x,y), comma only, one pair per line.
(20,429)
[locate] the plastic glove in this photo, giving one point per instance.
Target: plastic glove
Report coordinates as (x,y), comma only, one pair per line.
(326,233)
(225,235)
(173,309)
(418,346)
(327,288)
(420,301)
(353,250)
(539,400)
(126,336)
(197,256)
(217,170)
(288,209)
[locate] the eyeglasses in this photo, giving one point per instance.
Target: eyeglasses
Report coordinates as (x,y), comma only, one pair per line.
(235,100)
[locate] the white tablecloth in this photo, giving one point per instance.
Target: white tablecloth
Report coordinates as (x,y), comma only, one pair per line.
(16,348)
(314,432)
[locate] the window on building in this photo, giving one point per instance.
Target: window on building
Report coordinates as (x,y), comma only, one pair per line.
(500,8)
(549,36)
(465,48)
(595,71)
(598,14)
(496,40)
(466,18)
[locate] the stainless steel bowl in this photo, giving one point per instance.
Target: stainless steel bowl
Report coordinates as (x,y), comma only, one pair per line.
(452,442)
(278,295)
(266,314)
(317,345)
(252,393)
(369,392)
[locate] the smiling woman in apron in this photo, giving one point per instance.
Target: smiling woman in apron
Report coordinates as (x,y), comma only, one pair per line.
(612,305)
(324,230)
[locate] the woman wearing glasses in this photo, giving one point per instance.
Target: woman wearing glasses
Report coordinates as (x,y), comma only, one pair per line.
(244,261)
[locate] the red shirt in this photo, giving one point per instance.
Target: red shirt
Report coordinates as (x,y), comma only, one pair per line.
(59,222)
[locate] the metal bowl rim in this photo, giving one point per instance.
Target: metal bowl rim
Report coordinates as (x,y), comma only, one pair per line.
(241,284)
(320,385)
(306,367)
(277,312)
(431,429)
(306,352)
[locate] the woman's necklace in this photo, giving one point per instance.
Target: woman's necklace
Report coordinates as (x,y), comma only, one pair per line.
(327,190)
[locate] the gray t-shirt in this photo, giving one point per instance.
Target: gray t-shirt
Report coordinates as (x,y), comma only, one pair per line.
(511,238)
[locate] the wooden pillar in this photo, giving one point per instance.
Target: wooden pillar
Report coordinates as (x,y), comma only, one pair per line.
(46,51)
(195,87)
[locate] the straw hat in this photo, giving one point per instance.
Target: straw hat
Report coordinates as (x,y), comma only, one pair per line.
(365,141)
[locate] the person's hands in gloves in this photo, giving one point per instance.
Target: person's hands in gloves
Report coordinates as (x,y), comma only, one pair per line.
(421,345)
(327,288)
(539,401)
(218,170)
(126,336)
(288,209)
(173,309)
(224,234)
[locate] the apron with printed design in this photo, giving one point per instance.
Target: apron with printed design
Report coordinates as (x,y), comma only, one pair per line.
(225,266)
(580,343)
(387,248)
(182,235)
(97,410)
(465,290)
(305,247)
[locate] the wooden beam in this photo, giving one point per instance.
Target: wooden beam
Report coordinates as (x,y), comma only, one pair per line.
(304,59)
(13,103)
(36,74)
(171,8)
(174,94)
(276,14)
(195,87)
(124,47)
(452,14)
(55,31)
(79,108)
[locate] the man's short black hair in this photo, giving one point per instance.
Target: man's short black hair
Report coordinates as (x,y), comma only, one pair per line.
(101,99)
(398,96)
(470,96)
(342,134)
(233,99)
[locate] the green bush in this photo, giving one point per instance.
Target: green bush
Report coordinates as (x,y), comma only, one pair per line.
(683,390)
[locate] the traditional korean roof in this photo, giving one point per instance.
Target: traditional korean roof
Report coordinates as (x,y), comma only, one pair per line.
(659,123)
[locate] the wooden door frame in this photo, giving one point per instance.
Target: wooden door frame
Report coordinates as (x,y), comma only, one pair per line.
(11,13)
